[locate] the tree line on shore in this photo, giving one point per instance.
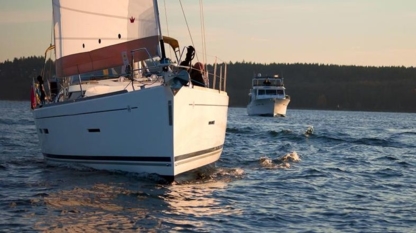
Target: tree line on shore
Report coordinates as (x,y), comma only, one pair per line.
(331,87)
(16,76)
(310,86)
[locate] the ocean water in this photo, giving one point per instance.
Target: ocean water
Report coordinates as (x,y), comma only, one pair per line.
(313,171)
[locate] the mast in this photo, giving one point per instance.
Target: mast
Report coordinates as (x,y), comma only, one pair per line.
(162,44)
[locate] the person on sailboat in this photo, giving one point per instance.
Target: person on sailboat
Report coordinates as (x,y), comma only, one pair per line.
(41,91)
(190,54)
(197,75)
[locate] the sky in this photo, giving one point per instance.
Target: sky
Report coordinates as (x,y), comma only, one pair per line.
(341,32)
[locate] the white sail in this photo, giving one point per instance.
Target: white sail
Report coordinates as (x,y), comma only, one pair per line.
(91,35)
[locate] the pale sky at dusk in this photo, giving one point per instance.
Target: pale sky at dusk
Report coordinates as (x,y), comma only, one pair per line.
(354,32)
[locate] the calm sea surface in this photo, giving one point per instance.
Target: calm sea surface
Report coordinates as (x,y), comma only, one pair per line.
(313,171)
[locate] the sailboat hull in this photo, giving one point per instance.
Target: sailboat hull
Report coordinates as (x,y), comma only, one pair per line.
(144,131)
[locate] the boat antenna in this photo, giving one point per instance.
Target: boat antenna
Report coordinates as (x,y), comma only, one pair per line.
(162,44)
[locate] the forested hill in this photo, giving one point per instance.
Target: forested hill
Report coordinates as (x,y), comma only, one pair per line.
(16,77)
(317,86)
(310,86)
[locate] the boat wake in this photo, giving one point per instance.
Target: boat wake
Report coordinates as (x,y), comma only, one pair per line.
(245,130)
(291,134)
(282,162)
(205,174)
(309,131)
(208,174)
(290,157)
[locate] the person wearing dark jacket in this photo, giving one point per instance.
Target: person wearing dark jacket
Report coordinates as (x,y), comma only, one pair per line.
(41,90)
(196,74)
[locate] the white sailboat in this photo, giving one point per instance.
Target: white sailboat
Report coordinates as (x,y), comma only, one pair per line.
(122,105)
(268,97)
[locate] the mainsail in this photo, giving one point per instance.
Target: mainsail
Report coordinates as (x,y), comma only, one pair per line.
(92,35)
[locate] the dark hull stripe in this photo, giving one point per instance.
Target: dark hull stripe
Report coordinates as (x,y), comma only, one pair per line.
(197,153)
(196,158)
(110,158)
(89,159)
(128,163)
(86,113)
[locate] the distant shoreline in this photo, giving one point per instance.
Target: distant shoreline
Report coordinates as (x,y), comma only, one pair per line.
(310,86)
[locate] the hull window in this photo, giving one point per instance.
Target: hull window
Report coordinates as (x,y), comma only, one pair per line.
(94,130)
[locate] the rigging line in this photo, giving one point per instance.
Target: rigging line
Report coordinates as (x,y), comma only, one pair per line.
(204,45)
(205,41)
(167,25)
(189,31)
(43,71)
(202,38)
(52,32)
